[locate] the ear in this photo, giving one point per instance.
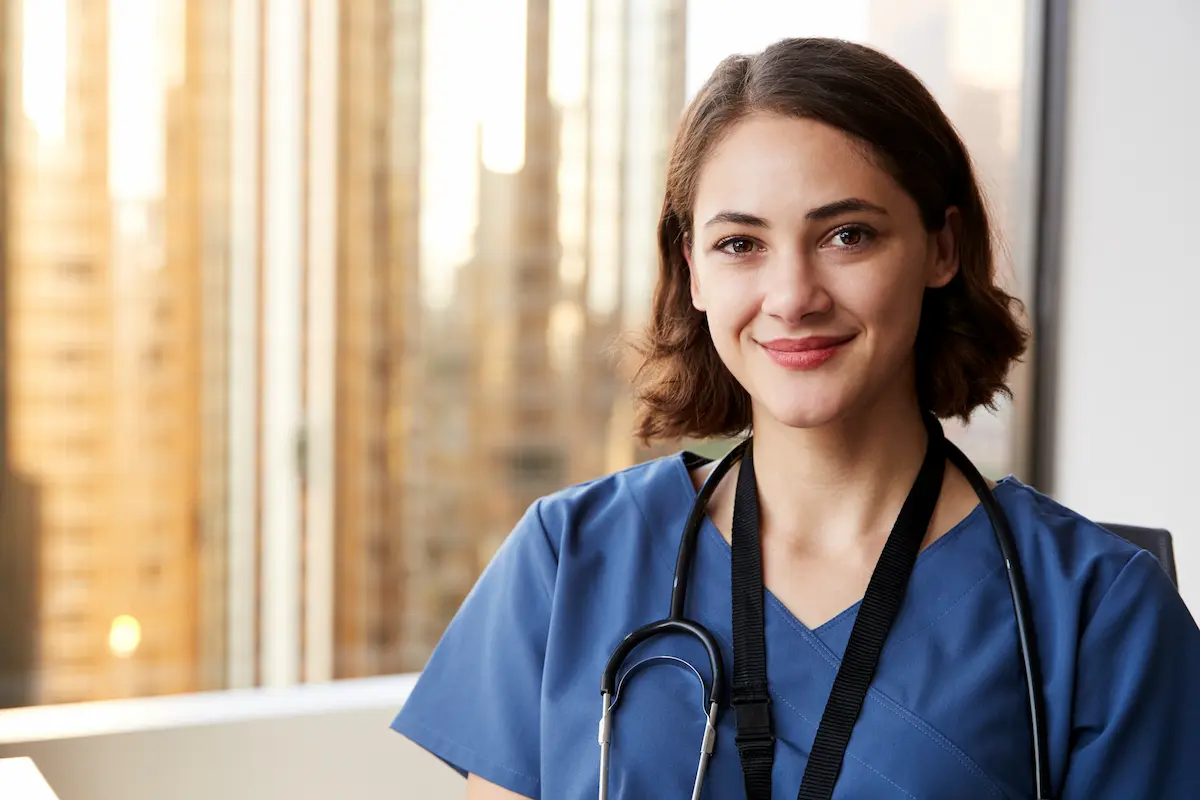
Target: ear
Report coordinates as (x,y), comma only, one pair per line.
(945,263)
(693,277)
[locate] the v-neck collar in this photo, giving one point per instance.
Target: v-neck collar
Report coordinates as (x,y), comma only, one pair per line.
(802,663)
(685,461)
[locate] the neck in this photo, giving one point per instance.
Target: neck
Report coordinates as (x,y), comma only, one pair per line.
(823,490)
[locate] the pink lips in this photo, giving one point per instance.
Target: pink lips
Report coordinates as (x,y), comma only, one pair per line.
(804,354)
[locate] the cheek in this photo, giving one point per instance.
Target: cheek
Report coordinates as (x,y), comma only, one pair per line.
(731,301)
(893,310)
(730,308)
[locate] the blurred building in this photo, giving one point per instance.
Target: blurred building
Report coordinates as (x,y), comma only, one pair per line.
(521,392)
(619,140)
(19,502)
(101,379)
(482,435)
(239,446)
(511,286)
(210,79)
(971,56)
(379,360)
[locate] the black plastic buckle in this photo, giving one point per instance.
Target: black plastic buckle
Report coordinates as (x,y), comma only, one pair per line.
(753,721)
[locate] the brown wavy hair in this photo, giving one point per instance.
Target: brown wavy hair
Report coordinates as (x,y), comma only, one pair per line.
(970,333)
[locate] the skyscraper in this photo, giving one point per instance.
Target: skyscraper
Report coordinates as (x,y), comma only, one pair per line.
(101,269)
(516,396)
(481,425)
(524,449)
(378,319)
(58,410)
(635,96)
(239,445)
(19,555)
(211,74)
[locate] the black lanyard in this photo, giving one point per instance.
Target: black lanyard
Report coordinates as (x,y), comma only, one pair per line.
(885,591)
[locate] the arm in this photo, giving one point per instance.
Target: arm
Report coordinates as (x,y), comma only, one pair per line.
(1136,726)
(479,789)
(477,704)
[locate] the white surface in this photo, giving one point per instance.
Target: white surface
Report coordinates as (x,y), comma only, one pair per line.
(1128,444)
(306,743)
(74,720)
(21,780)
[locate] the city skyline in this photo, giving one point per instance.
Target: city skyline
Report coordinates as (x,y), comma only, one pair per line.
(302,311)
(303,499)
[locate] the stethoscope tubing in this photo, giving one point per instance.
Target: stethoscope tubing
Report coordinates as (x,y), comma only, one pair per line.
(1020,600)
(676,622)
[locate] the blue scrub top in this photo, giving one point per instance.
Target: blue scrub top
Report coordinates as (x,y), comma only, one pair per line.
(512,692)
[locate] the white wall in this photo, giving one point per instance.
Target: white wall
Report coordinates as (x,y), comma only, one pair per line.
(1128,443)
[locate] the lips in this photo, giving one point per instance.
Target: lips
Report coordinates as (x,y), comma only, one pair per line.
(807,353)
(805,344)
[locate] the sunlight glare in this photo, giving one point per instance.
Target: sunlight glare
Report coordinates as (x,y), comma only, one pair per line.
(568,52)
(124,636)
(44,67)
(136,97)
(503,100)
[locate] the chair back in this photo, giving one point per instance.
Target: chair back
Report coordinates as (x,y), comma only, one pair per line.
(1156,540)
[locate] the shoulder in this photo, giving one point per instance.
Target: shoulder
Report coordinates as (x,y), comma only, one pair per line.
(643,496)
(1118,653)
(1070,559)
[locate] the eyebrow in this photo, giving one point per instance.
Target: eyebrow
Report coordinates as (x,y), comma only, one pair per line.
(827,211)
(737,218)
(839,207)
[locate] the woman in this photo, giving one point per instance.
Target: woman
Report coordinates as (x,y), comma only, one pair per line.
(827,282)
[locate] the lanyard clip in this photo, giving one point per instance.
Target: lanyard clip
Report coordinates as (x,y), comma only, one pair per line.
(753,716)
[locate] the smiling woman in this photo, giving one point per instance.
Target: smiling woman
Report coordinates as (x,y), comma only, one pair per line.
(843,277)
(858,207)
(827,289)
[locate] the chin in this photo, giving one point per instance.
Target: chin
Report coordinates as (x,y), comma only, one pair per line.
(809,399)
(812,410)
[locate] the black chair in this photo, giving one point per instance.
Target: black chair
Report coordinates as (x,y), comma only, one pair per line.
(1156,540)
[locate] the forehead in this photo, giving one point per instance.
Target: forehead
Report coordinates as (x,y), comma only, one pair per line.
(772,165)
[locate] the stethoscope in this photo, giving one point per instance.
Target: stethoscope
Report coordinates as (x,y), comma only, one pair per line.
(676,622)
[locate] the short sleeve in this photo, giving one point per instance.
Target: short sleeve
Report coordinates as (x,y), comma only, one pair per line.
(1136,728)
(477,703)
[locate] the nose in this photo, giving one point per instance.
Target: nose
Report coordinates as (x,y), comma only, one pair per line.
(792,288)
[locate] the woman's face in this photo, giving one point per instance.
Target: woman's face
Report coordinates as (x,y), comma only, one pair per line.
(811,263)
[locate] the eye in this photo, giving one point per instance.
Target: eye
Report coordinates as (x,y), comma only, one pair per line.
(735,246)
(850,237)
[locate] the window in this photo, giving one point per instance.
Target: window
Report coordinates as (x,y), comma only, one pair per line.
(972,57)
(425,302)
